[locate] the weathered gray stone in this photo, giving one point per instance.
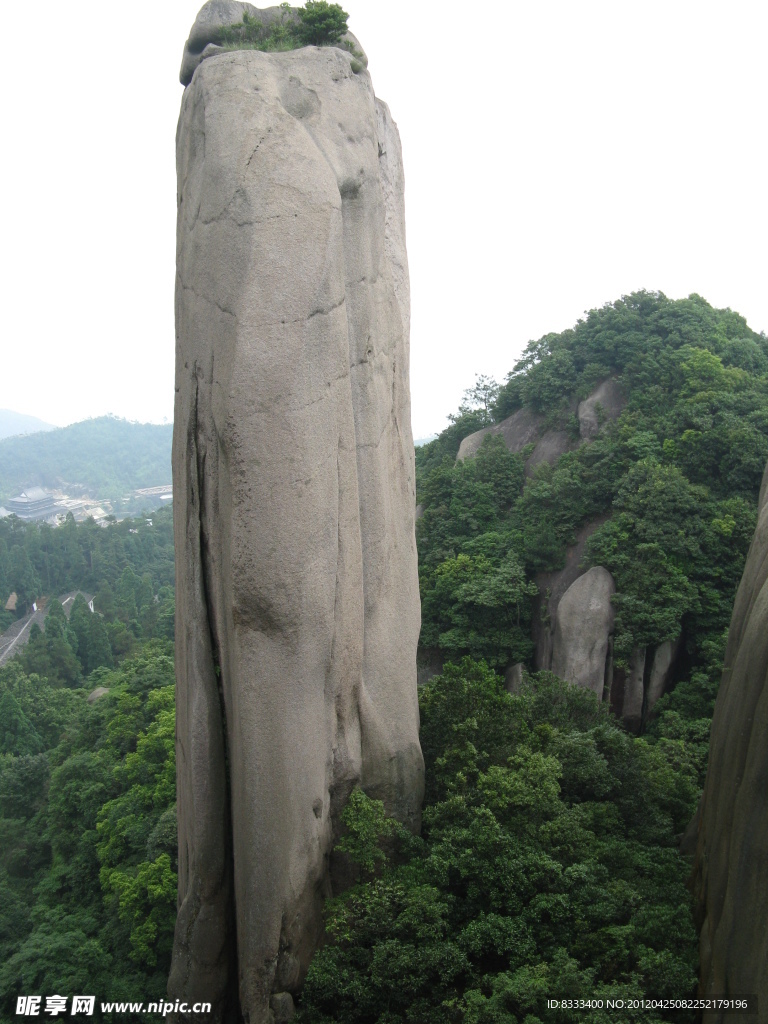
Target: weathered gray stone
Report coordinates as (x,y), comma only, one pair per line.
(731,869)
(217,14)
(524,427)
(632,705)
(96,694)
(661,671)
(297,589)
(513,678)
(583,624)
(604,405)
(549,448)
(518,430)
(552,586)
(281,1004)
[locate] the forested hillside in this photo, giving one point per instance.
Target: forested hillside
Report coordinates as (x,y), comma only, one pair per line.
(88,852)
(548,864)
(87,791)
(37,560)
(672,483)
(104,457)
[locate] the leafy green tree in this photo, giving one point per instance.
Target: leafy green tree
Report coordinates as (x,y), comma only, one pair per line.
(24,580)
(321,23)
(88,835)
(125,595)
(17,734)
(480,609)
(481,398)
(93,647)
(547,863)
(53,654)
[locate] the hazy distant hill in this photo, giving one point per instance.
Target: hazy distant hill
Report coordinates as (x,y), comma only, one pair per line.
(104,457)
(12,423)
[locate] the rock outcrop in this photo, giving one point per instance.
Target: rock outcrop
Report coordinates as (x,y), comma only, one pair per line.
(661,672)
(552,586)
(583,627)
(731,869)
(518,430)
(526,427)
(296,588)
(514,678)
(634,690)
(605,404)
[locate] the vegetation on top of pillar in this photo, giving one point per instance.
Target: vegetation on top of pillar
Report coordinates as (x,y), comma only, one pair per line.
(318,23)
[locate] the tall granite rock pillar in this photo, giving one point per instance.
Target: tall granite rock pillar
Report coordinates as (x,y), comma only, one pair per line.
(731,871)
(297,590)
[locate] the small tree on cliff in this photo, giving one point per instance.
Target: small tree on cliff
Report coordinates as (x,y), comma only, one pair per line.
(321,23)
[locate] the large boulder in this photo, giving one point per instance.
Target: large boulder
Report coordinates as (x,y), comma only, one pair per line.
(297,588)
(518,430)
(552,586)
(584,623)
(731,867)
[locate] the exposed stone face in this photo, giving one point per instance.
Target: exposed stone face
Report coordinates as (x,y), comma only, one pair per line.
(604,404)
(661,671)
(549,448)
(525,427)
(552,586)
(297,588)
(518,430)
(584,623)
(514,678)
(731,872)
(632,705)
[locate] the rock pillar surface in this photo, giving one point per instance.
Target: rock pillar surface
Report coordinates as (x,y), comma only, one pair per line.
(731,870)
(297,591)
(584,623)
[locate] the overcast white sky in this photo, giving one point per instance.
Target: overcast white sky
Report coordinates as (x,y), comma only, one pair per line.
(557,156)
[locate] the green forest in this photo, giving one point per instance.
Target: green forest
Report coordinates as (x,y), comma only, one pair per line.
(549,861)
(104,457)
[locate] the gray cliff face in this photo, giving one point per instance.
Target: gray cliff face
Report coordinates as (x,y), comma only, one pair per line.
(584,624)
(731,871)
(297,591)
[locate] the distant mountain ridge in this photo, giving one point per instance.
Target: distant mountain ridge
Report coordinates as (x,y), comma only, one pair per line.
(104,457)
(14,423)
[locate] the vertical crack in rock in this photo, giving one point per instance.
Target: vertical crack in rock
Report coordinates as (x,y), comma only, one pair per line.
(232,1006)
(203,952)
